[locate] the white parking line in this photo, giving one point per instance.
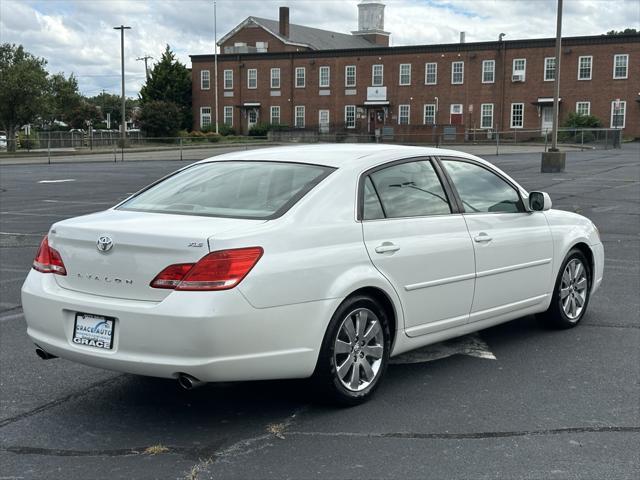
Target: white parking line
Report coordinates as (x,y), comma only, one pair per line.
(58,181)
(11,316)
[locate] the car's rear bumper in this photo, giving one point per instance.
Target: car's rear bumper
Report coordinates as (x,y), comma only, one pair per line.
(213,336)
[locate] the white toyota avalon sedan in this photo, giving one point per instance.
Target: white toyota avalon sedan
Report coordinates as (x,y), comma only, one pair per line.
(313,261)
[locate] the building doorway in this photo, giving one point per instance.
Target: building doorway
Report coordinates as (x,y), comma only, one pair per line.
(323,121)
(252,118)
(546,119)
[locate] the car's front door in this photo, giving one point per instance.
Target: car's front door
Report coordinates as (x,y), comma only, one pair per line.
(419,243)
(513,247)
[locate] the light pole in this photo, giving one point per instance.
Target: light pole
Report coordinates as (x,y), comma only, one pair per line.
(123,126)
(215,63)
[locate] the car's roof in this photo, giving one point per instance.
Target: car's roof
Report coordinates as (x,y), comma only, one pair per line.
(337,154)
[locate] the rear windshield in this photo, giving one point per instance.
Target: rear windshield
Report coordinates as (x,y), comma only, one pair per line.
(236,189)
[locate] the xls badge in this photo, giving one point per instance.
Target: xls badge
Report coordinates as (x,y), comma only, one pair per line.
(104,243)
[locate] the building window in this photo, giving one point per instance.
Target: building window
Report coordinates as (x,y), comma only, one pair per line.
(517,115)
(300,77)
(584,67)
(262,47)
(620,66)
(205,79)
(457,73)
(405,74)
(583,108)
(430,114)
(350,116)
(430,73)
(618,111)
(486,115)
(228,79)
(350,76)
(519,69)
(377,75)
(299,118)
(205,117)
(275,115)
(403,114)
(324,75)
(549,69)
(252,78)
(275,78)
(228,116)
(488,71)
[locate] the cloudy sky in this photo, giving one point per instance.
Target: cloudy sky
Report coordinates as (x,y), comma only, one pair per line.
(77,36)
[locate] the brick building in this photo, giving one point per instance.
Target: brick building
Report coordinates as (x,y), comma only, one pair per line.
(319,81)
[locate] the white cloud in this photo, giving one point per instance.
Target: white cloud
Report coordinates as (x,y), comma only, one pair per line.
(77,35)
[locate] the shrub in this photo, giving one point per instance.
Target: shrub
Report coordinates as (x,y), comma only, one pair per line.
(225,130)
(575,120)
(259,130)
(160,119)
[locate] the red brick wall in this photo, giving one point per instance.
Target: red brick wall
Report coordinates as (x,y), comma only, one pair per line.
(600,91)
(251,34)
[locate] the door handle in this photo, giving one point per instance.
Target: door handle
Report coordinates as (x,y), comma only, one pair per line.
(482,237)
(387,247)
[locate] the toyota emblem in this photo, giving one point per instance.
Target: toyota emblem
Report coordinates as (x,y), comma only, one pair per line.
(104,243)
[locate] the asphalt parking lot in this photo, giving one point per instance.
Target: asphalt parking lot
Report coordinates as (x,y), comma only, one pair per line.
(514,401)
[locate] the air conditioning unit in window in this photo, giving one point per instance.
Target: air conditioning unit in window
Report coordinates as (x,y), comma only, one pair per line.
(518,77)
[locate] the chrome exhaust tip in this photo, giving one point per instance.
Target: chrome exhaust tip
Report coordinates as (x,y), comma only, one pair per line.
(44,355)
(188,382)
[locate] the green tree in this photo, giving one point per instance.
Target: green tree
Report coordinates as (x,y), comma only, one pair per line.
(170,81)
(83,115)
(112,104)
(23,87)
(63,98)
(159,118)
(626,31)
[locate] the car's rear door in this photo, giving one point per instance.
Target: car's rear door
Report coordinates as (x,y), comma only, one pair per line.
(513,247)
(419,242)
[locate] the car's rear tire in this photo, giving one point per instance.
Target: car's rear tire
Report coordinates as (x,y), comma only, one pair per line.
(571,292)
(354,353)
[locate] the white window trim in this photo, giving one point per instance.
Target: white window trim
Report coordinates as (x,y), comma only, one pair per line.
(584,101)
(590,67)
(273,107)
(624,116)
(202,116)
(202,72)
(544,70)
(320,84)
(295,116)
(482,105)
(354,116)
(273,70)
(435,73)
(304,77)
(224,79)
(511,115)
(408,114)
(373,76)
(518,72)
(487,62)
(626,70)
(424,113)
(461,82)
(224,115)
(248,76)
(346,77)
(400,74)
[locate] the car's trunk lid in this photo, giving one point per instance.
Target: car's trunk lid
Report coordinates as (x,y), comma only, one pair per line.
(143,244)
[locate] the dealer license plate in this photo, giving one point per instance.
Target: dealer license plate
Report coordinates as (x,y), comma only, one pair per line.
(93,331)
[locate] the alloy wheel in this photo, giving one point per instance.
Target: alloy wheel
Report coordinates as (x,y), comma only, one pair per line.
(573,289)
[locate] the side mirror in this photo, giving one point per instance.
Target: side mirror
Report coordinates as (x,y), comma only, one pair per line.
(539,201)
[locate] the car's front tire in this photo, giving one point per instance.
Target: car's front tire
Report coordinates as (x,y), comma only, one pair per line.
(355,351)
(571,292)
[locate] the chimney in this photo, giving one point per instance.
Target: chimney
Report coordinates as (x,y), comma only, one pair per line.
(284,21)
(462,35)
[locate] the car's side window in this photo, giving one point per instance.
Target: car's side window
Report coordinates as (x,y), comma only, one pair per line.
(372,208)
(481,190)
(410,189)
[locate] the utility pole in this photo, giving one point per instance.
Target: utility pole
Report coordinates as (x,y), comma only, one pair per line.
(146,69)
(215,63)
(123,126)
(554,160)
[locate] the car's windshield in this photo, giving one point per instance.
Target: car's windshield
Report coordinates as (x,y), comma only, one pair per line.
(237,189)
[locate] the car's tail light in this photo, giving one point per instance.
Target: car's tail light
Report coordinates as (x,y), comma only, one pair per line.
(216,271)
(48,260)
